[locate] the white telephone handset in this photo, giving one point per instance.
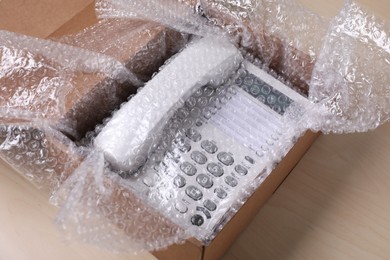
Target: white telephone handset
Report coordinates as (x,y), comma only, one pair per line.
(127,138)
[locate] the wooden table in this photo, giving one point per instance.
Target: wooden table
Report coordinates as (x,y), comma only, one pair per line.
(334,205)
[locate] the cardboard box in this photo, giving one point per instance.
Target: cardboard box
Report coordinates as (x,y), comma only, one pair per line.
(193,249)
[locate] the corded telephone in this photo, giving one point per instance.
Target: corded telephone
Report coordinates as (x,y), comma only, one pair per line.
(197,134)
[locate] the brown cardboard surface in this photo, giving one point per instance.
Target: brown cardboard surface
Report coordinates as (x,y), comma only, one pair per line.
(37,17)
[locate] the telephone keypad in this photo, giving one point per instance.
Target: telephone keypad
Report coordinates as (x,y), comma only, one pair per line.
(204,181)
(201,190)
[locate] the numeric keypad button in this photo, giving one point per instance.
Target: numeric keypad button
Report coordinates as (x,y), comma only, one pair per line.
(179,181)
(199,157)
(231,181)
(209,147)
(221,193)
(193,135)
(215,169)
(204,181)
(225,158)
(181,207)
(249,159)
(208,204)
(194,193)
(188,168)
(241,170)
(197,220)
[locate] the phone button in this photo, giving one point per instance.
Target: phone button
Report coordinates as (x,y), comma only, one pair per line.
(208,204)
(193,135)
(231,181)
(241,170)
(199,157)
(179,181)
(209,147)
(181,207)
(205,212)
(188,168)
(249,159)
(225,158)
(221,193)
(194,193)
(215,169)
(197,220)
(204,181)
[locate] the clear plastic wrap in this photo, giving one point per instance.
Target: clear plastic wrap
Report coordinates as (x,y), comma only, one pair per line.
(55,89)
(180,158)
(43,155)
(101,208)
(268,30)
(58,84)
(351,76)
(48,91)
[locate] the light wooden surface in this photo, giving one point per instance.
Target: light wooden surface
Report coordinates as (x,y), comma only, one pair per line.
(334,205)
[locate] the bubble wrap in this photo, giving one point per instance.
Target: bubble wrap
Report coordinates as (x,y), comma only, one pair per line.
(141,46)
(149,155)
(57,83)
(41,154)
(351,77)
(47,90)
(266,29)
(181,157)
(103,210)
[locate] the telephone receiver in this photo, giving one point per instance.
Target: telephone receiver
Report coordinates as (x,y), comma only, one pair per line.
(129,136)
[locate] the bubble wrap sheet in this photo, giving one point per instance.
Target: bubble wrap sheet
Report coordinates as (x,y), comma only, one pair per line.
(142,46)
(51,90)
(42,86)
(351,77)
(179,158)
